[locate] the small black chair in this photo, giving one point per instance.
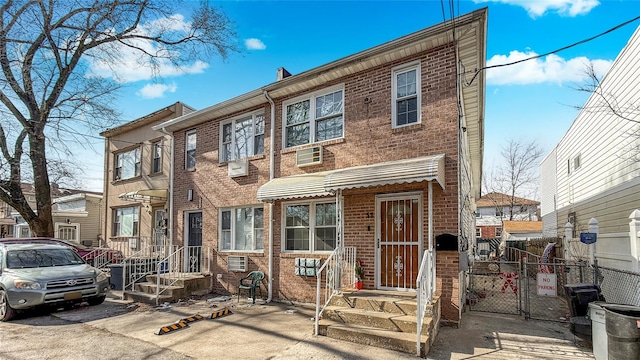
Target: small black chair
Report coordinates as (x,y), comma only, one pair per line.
(251,282)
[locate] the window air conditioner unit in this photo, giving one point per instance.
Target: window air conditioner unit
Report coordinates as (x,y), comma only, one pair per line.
(309,156)
(238,168)
(237,263)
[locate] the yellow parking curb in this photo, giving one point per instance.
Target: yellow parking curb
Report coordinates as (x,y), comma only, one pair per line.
(220,313)
(173,327)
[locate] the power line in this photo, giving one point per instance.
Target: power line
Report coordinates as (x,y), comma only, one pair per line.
(554,51)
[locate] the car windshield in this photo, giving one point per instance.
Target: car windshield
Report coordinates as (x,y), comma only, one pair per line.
(34,258)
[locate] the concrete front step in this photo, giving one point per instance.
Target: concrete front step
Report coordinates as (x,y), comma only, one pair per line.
(181,288)
(387,339)
(377,319)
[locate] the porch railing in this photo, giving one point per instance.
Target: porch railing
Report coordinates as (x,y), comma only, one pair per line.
(425,288)
(178,265)
(339,273)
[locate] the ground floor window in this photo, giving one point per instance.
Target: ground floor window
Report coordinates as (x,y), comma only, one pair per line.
(242,229)
(310,227)
(125,221)
(68,232)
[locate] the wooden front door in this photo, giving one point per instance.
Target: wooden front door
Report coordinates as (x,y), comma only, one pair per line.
(399,241)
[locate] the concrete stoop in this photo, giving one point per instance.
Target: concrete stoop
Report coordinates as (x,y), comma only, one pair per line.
(145,292)
(385,319)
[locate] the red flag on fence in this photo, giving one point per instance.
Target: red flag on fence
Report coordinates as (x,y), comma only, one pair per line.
(547,257)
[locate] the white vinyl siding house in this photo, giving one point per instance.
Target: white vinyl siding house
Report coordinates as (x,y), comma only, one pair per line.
(597,167)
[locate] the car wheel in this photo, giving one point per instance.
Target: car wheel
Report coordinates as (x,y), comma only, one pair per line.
(6,312)
(96,300)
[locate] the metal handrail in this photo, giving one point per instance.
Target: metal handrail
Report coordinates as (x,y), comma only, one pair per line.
(339,265)
(425,287)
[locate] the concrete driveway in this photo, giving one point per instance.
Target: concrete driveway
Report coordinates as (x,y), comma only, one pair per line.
(284,331)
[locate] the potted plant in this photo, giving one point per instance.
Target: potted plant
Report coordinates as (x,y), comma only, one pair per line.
(359,272)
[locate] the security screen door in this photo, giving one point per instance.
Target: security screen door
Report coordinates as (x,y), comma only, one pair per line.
(399,237)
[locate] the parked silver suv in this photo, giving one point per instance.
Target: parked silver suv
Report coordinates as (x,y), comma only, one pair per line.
(33,275)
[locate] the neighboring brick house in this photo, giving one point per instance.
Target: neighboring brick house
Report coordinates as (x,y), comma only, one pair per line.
(494,208)
(381,150)
(137,169)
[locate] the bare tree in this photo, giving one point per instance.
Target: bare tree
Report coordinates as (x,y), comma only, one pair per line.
(517,176)
(606,100)
(51,93)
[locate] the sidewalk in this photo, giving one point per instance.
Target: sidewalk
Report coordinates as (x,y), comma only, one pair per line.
(285,331)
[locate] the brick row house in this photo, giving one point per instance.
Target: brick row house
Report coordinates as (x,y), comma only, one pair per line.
(380,151)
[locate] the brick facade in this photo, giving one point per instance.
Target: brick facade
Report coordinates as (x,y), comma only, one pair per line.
(369,138)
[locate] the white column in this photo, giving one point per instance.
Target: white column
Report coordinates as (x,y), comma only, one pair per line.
(634,237)
(593,228)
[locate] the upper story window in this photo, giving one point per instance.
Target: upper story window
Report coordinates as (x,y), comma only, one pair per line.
(190,150)
(242,229)
(406,94)
(577,162)
(125,221)
(156,160)
(498,232)
(314,118)
(478,232)
(127,164)
(242,138)
(310,227)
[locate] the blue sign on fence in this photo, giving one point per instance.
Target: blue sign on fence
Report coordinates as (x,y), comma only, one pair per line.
(588,238)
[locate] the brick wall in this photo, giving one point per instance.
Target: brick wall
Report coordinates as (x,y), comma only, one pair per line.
(369,139)
(448,285)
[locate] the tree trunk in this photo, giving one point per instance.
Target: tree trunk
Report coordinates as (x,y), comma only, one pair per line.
(43,224)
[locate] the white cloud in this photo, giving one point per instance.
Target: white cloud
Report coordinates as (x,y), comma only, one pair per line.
(152,91)
(254,44)
(126,65)
(537,8)
(549,69)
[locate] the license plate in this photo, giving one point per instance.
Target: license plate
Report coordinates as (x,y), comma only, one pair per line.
(73,296)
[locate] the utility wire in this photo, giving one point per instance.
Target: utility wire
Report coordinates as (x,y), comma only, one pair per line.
(552,52)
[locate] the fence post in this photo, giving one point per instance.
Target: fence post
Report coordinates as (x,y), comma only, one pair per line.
(568,235)
(593,228)
(634,237)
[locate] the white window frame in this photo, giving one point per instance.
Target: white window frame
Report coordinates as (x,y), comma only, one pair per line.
(576,162)
(255,133)
(187,150)
(137,165)
(415,65)
(74,225)
(135,225)
(499,229)
(478,233)
(312,225)
(312,98)
(254,238)
(156,149)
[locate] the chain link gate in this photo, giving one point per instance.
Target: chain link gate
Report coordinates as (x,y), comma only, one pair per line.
(512,287)
(494,287)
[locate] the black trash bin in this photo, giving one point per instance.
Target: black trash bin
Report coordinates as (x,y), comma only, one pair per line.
(623,331)
(115,280)
(579,296)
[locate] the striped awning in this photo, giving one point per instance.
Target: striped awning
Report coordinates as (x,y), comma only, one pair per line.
(426,168)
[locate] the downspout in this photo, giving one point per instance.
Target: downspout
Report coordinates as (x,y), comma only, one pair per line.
(272,142)
(107,160)
(170,222)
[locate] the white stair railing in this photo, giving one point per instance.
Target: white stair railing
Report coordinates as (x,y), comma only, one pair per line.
(339,270)
(425,289)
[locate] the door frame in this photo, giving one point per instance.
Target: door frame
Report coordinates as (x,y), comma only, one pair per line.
(376,241)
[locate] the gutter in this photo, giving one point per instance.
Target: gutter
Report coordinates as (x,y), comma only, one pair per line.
(271,175)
